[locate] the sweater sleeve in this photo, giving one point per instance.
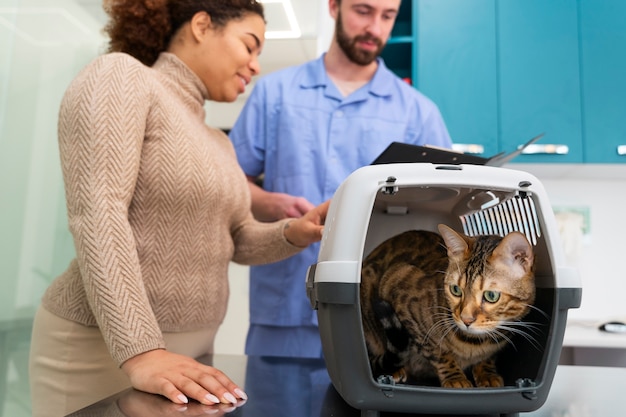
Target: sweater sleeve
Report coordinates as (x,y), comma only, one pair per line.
(102,123)
(274,246)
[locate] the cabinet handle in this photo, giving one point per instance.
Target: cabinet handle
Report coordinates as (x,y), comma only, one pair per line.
(621,150)
(549,148)
(469,148)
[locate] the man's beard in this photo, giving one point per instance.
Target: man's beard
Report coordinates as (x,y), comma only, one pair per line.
(349,45)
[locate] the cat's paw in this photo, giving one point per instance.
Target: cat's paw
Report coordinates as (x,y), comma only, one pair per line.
(400,376)
(490,380)
(456,382)
(486,375)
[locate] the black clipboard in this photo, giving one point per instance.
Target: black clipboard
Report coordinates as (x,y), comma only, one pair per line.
(398,152)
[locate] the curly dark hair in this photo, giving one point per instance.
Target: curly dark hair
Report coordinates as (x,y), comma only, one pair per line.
(144,28)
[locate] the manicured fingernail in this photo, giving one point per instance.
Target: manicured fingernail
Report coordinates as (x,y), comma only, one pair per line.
(182,409)
(241,394)
(182,399)
(212,398)
(230,398)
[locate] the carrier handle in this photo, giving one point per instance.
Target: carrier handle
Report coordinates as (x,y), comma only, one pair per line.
(548,149)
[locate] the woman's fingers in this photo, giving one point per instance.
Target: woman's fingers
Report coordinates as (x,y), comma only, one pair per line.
(204,384)
(208,386)
(139,403)
(168,390)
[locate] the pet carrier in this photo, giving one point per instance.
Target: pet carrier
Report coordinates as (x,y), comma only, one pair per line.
(379,201)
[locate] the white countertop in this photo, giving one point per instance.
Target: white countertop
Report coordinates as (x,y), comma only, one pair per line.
(585,333)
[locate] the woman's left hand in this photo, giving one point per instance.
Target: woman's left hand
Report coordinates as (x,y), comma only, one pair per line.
(307,229)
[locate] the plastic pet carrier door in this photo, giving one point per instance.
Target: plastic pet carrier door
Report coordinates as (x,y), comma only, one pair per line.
(380,201)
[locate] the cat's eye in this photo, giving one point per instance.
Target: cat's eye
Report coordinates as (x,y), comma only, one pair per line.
(456,290)
(491,296)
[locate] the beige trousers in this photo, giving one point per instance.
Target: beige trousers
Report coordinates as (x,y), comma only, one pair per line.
(70,366)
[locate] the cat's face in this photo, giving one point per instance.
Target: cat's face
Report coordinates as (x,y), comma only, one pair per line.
(489,283)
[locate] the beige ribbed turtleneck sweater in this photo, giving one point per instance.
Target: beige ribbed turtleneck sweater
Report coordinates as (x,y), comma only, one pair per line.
(157,205)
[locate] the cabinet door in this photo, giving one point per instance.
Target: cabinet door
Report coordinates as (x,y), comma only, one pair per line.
(539,81)
(456,67)
(398,54)
(603,57)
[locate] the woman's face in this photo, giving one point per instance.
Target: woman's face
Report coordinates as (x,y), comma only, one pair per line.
(227,58)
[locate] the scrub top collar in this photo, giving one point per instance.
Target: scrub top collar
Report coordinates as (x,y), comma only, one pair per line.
(379,85)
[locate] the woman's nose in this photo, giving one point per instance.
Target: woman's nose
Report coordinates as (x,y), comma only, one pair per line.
(255,66)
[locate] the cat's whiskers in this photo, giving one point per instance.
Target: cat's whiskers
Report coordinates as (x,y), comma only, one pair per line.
(497,336)
(449,325)
(449,328)
(441,319)
(540,311)
(445,311)
(522,329)
(529,325)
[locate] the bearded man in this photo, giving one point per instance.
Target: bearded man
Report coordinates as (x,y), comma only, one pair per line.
(304,129)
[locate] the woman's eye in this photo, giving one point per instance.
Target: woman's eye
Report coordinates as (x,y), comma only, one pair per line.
(491,296)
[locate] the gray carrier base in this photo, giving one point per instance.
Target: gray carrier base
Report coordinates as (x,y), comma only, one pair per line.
(377,202)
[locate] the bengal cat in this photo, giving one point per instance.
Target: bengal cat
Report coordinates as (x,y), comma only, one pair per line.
(443,304)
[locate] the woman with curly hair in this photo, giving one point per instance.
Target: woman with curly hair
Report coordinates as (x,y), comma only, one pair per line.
(158,207)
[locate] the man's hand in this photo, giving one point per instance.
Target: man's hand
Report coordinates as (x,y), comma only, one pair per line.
(268,206)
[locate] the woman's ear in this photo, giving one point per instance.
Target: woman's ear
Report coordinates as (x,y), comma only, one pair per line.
(200,24)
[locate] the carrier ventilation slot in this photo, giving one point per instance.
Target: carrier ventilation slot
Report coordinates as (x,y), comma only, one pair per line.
(515,214)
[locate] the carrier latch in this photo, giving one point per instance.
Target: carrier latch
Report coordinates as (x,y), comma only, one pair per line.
(527,383)
(390,188)
(310,286)
(388,383)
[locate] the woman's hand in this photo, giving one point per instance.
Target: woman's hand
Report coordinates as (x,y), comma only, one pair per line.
(307,229)
(180,377)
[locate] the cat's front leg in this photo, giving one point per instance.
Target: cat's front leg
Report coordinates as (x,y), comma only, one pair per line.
(486,375)
(449,373)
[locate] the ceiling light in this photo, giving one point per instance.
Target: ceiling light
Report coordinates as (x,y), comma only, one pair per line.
(281,20)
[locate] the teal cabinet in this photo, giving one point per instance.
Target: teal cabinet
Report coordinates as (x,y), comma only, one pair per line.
(503,71)
(539,79)
(456,67)
(398,54)
(603,68)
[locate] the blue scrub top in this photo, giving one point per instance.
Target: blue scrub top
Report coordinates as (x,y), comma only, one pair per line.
(298,129)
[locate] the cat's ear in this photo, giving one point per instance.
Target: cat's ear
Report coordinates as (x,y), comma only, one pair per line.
(515,249)
(455,243)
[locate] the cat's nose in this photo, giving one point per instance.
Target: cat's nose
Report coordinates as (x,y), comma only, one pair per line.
(468,320)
